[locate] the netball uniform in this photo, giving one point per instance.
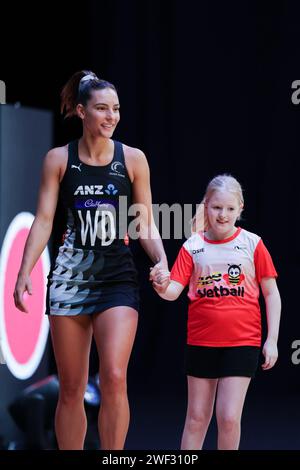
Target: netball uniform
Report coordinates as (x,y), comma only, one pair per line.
(92,268)
(224,319)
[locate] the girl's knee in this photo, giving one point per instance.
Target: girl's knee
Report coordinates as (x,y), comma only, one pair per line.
(197,420)
(228,422)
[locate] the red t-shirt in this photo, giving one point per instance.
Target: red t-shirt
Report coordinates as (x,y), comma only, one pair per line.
(223,279)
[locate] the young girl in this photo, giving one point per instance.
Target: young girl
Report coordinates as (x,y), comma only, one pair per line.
(224,267)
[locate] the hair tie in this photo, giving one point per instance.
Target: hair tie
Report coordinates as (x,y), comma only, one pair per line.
(88,77)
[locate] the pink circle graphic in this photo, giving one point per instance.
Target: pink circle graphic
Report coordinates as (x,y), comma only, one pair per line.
(23,335)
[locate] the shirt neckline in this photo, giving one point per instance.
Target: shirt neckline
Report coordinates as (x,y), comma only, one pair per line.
(225,240)
(96,166)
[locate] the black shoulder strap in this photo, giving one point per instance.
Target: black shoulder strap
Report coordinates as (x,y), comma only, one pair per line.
(119,153)
(73,158)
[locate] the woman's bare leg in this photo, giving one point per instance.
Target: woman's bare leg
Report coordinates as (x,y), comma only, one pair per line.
(114,333)
(71,339)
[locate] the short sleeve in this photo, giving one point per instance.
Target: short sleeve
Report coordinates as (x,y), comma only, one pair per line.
(183,267)
(264,266)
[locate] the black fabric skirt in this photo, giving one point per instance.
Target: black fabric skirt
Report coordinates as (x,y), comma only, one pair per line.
(84,282)
(216,362)
(97,300)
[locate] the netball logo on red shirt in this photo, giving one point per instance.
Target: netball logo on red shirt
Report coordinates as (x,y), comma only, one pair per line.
(233,277)
(23,336)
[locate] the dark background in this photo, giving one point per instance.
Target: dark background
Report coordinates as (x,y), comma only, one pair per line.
(205,88)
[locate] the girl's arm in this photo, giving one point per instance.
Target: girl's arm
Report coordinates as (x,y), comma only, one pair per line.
(273,309)
(168,290)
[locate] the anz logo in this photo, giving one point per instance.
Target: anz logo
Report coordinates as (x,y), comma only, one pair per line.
(111,189)
(95,190)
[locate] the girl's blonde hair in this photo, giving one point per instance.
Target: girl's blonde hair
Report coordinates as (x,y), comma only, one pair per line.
(220,183)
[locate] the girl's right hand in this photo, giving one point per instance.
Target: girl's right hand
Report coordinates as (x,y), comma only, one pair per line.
(23,285)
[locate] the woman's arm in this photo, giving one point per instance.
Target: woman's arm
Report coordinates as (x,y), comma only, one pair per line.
(149,236)
(273,309)
(42,225)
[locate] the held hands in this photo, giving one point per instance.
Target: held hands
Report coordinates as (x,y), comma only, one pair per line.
(23,285)
(160,278)
(270,352)
(161,265)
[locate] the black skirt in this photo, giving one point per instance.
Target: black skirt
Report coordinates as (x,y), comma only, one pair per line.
(215,362)
(83,282)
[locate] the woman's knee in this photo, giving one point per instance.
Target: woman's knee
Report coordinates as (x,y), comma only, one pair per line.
(113,382)
(71,391)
